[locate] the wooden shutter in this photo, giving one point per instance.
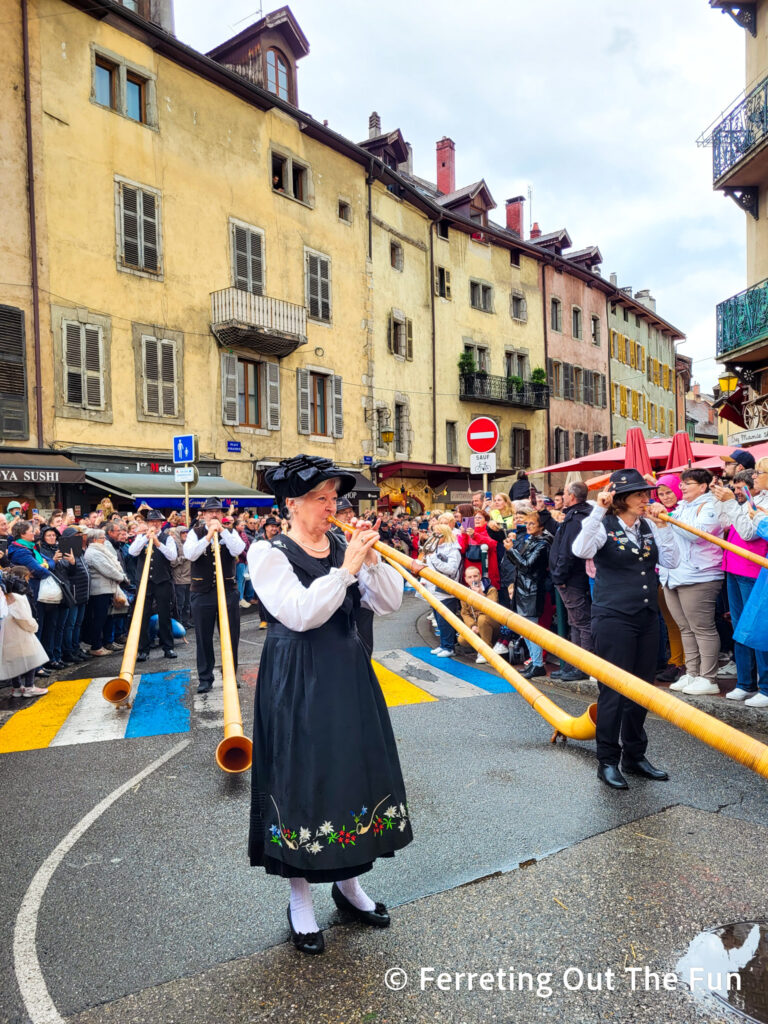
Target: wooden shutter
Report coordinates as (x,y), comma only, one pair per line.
(149,231)
(526,449)
(587,386)
(447,284)
(338,408)
(130,217)
(272,373)
(409,340)
(229,389)
(151,369)
(390,334)
(73,362)
(13,374)
(94,384)
(303,384)
(257,261)
(566,445)
(550,377)
(313,286)
(168,379)
(240,261)
(568,381)
(437,280)
(325,289)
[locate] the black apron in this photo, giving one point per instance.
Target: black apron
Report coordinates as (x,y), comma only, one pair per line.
(327,793)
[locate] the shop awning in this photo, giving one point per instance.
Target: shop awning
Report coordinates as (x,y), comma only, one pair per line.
(363,488)
(159,490)
(37,468)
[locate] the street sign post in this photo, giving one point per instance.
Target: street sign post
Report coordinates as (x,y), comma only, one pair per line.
(184,449)
(482,438)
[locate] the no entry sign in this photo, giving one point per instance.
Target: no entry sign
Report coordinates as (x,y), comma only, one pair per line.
(482,434)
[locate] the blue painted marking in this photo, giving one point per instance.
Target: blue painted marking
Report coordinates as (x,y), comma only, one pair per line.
(159,707)
(485,680)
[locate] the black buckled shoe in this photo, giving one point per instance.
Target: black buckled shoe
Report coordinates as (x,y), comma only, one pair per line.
(646,769)
(533,671)
(306,942)
(611,776)
(171,654)
(377,918)
(142,656)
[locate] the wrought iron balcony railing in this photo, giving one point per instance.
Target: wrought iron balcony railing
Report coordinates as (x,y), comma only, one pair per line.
(484,387)
(740,131)
(742,319)
(265,325)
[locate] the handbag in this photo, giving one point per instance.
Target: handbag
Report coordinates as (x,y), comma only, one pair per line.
(119,598)
(473,553)
(752,627)
(49,592)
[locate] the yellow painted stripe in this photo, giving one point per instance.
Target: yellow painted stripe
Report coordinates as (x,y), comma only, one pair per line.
(396,690)
(34,727)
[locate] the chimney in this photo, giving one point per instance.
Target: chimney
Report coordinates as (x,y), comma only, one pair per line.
(515,215)
(535,230)
(614,280)
(446,165)
(646,299)
(374,125)
(161,14)
(697,391)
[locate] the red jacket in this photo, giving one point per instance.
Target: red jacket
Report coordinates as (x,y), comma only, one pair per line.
(481,536)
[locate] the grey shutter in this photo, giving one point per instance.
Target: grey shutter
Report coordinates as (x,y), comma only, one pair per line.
(313,286)
(524,314)
(168,378)
(240,257)
(568,381)
(566,445)
(229,389)
(390,334)
(151,368)
(73,362)
(526,449)
(13,380)
(437,280)
(256,262)
(149,231)
(272,372)
(130,216)
(303,383)
(94,385)
(324,267)
(588,387)
(447,284)
(409,339)
(338,408)
(550,376)
(603,391)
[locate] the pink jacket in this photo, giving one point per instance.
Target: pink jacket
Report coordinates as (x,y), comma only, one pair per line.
(742,566)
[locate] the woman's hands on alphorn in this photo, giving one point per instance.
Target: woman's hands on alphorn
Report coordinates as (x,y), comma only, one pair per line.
(360,546)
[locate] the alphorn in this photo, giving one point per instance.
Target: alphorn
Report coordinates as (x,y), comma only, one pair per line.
(235,752)
(729,741)
(724,544)
(118,690)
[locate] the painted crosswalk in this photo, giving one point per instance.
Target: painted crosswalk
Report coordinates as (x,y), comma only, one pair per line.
(74,711)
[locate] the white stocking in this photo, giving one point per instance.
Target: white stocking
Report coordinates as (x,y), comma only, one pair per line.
(354,892)
(302,911)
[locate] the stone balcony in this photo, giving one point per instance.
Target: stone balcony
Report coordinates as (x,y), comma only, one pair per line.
(269,327)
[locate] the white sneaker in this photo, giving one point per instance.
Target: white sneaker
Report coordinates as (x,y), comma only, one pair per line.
(728,670)
(38,691)
(480,660)
(436,651)
(739,694)
(445,654)
(758,701)
(16,691)
(500,648)
(245,604)
(700,686)
(682,682)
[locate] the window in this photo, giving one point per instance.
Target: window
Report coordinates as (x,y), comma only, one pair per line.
(637,320)
(13,375)
(520,448)
(291,178)
(595,330)
(580,444)
(576,322)
(518,307)
(318,286)
(480,355)
(278,75)
(345,212)
(139,228)
(626,315)
(442,229)
(443,282)
(400,335)
(568,383)
(514,257)
(451,446)
(135,103)
(599,443)
(83,365)
(279,172)
(319,405)
(556,315)
(555,378)
(159,376)
(400,424)
(299,181)
(481,296)
(247,258)
(562,445)
(105,83)
(248,394)
(396,259)
(516,364)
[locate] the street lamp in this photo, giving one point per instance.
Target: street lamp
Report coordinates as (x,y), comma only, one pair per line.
(387,436)
(728,383)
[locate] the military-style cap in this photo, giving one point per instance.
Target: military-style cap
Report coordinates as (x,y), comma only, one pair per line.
(343,504)
(625,481)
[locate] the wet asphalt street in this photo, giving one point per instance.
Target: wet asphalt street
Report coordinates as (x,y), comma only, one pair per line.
(153,915)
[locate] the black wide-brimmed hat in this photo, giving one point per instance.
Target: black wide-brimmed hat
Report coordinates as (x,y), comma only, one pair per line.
(625,481)
(212,505)
(301,474)
(154,516)
(271,521)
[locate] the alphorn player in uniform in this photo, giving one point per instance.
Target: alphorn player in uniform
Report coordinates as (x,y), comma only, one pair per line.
(203,597)
(328,796)
(626,540)
(160,585)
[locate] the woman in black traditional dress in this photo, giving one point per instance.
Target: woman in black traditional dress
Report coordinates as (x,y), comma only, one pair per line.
(327,792)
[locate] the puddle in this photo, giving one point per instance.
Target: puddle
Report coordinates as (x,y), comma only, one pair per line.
(730,964)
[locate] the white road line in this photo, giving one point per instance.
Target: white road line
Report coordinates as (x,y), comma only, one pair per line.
(92,719)
(34,991)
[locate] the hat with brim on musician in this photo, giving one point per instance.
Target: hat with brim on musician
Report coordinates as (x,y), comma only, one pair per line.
(212,505)
(344,505)
(154,516)
(295,477)
(627,481)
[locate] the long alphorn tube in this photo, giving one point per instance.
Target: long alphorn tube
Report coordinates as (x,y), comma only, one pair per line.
(724,544)
(118,690)
(722,737)
(235,752)
(582,728)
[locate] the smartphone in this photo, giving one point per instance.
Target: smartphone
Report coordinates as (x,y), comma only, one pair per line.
(750,499)
(35,512)
(468,522)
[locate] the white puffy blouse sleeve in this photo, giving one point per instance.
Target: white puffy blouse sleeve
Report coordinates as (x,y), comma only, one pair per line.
(381,588)
(298,607)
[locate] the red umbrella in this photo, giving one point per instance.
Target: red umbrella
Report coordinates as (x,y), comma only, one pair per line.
(637,456)
(614,458)
(681,453)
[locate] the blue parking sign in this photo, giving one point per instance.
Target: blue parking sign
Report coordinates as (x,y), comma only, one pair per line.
(184,448)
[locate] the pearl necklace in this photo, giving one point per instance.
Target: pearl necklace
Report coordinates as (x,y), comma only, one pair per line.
(326,547)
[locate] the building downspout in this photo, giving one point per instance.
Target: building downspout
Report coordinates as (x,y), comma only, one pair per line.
(369,183)
(434,338)
(32,224)
(546,356)
(609,385)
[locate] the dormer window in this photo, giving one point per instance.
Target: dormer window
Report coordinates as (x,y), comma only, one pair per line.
(278,75)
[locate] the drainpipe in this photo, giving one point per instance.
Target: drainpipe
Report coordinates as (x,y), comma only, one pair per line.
(32,224)
(609,385)
(369,183)
(434,338)
(546,353)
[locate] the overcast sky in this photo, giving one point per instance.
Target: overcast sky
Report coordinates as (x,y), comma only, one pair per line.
(596,105)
